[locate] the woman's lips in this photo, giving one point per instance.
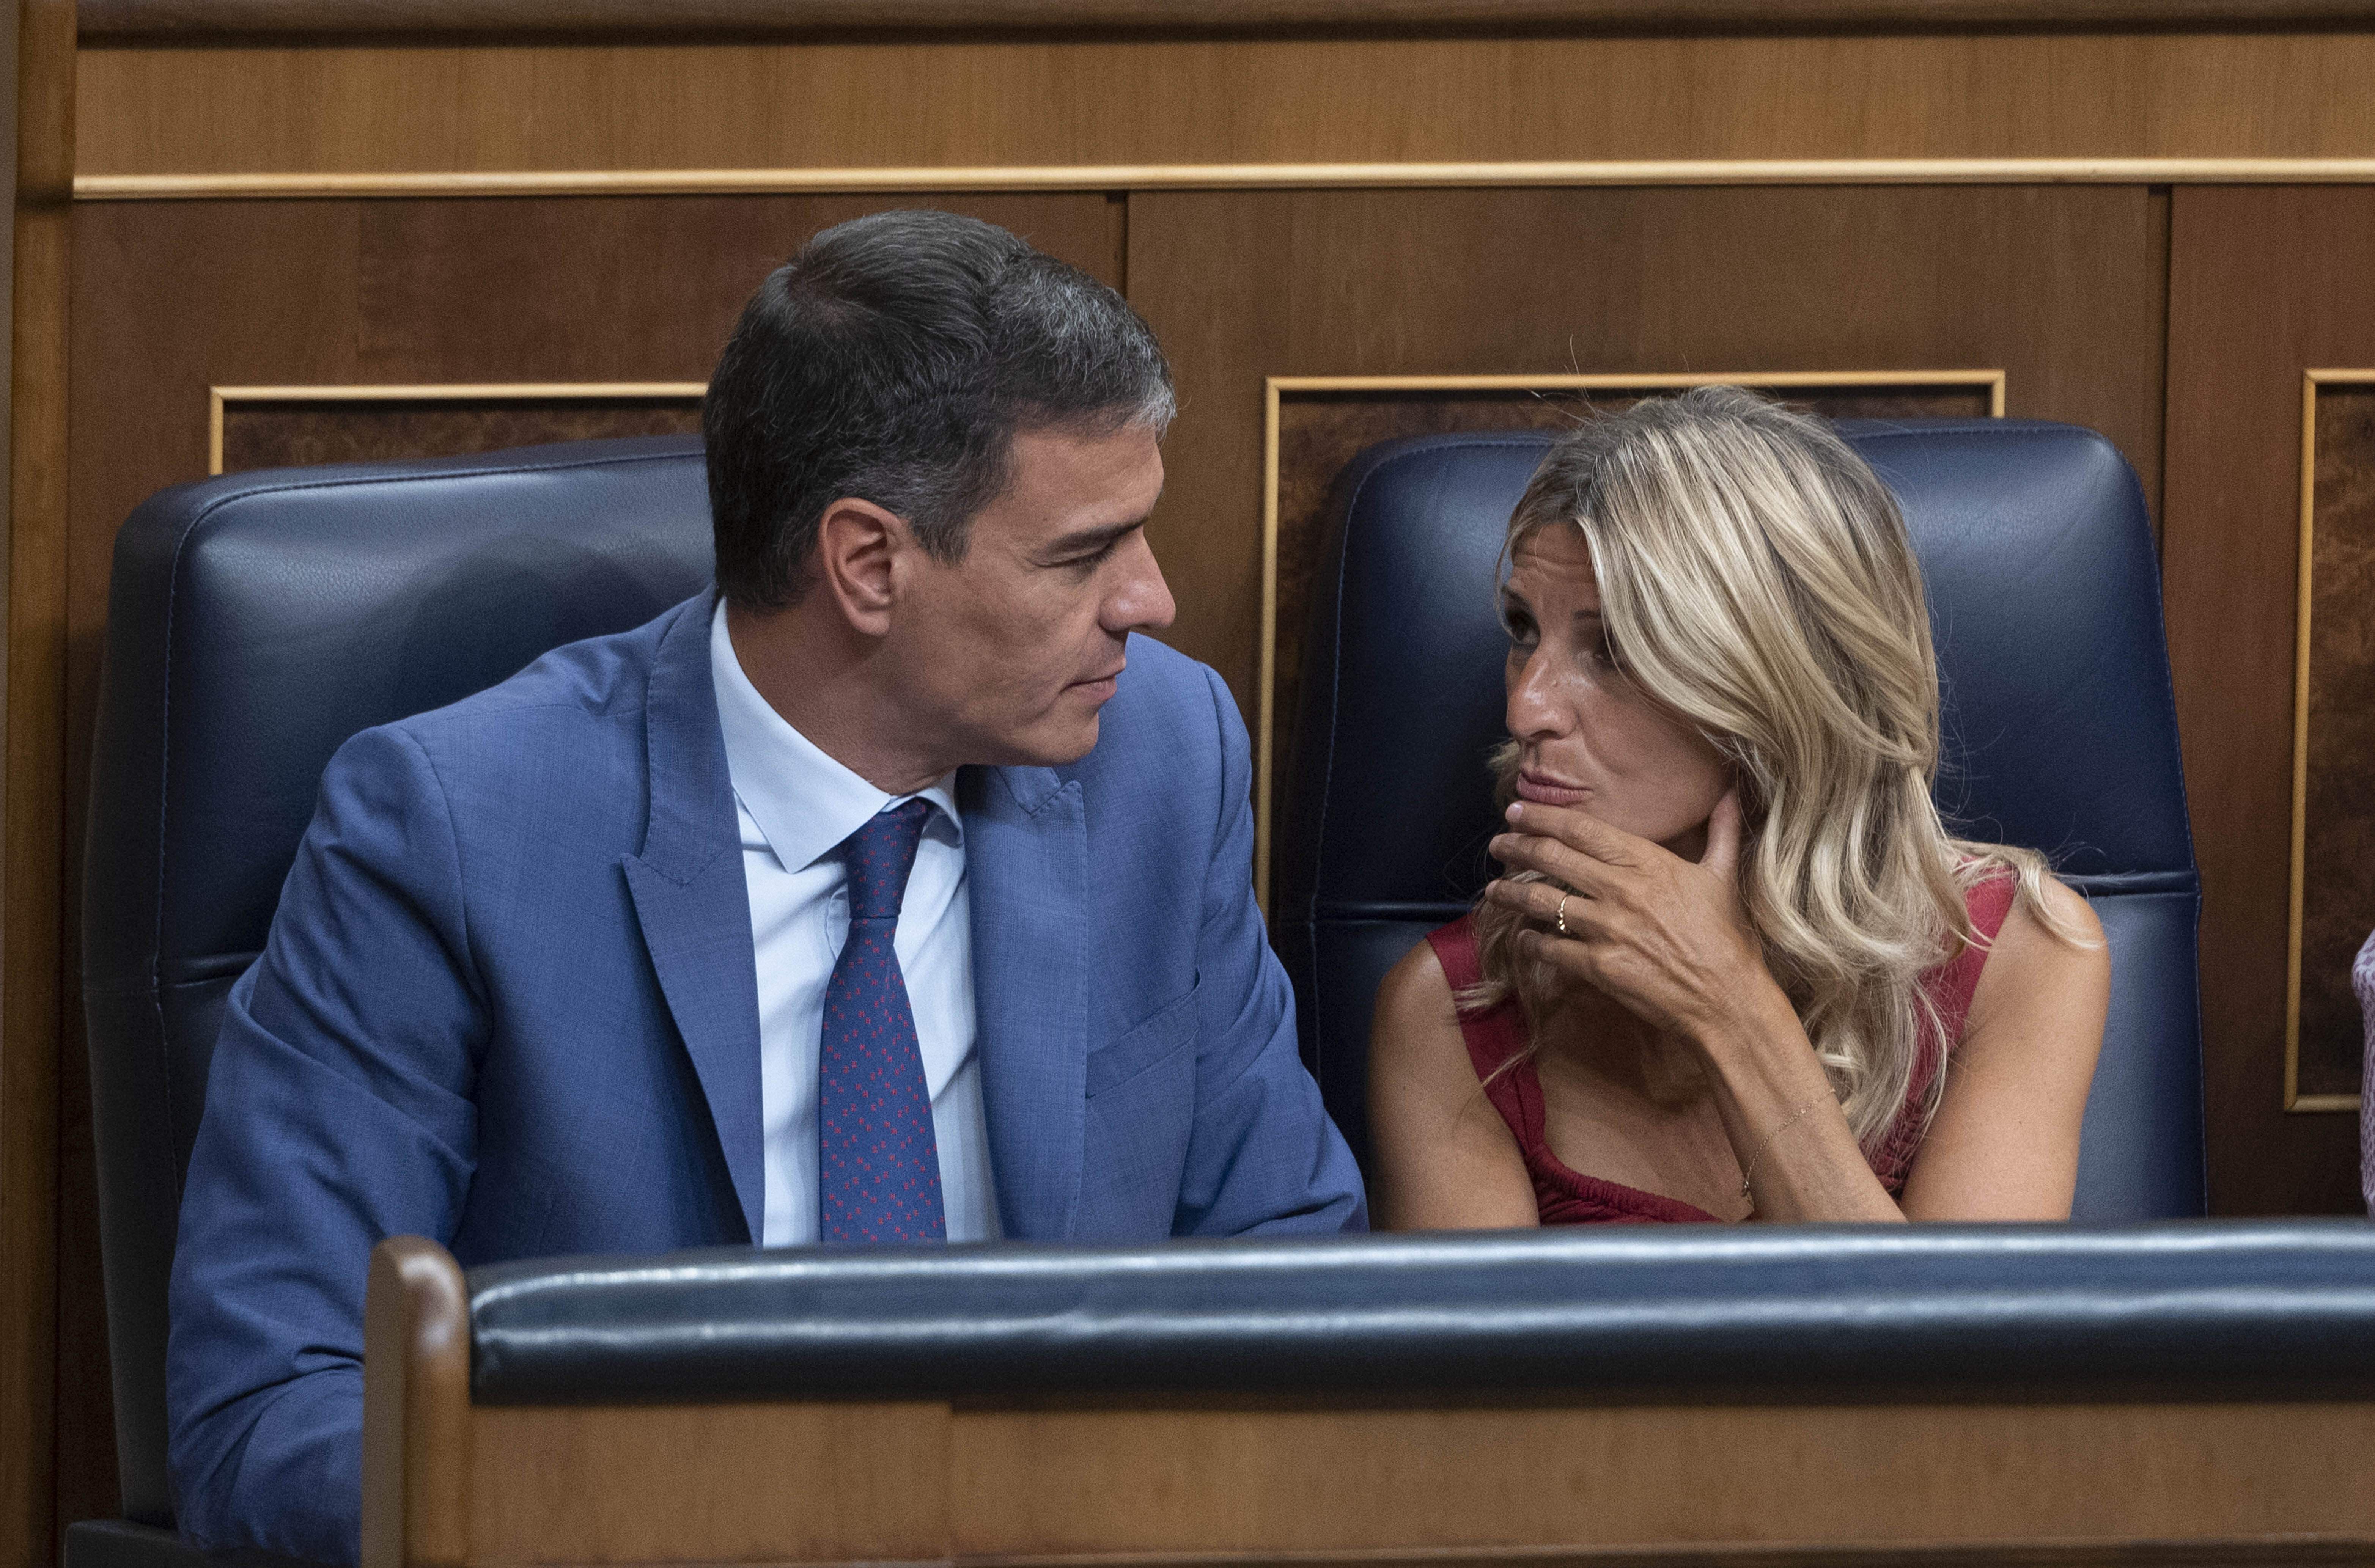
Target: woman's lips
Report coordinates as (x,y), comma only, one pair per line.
(1546,792)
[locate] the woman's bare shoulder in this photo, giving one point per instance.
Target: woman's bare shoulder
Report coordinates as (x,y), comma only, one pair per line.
(2040,958)
(1414,1004)
(1441,1156)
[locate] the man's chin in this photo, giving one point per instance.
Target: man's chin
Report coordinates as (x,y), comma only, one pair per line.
(1055,745)
(1079,743)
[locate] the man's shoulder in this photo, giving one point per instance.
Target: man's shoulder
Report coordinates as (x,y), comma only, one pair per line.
(576,702)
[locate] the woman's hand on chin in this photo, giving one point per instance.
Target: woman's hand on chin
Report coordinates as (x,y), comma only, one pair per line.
(1666,936)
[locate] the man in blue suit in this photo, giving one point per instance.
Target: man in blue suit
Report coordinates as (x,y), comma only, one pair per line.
(896,892)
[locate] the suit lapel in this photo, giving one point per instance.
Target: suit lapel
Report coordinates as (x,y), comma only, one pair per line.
(1027,860)
(691,900)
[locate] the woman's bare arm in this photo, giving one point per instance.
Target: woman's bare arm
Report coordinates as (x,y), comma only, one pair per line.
(2004,1142)
(1441,1159)
(1666,939)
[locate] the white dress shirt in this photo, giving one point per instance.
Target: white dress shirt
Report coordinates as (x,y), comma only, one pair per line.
(796,806)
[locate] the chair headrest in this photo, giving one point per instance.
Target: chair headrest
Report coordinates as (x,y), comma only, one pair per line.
(257,621)
(2044,597)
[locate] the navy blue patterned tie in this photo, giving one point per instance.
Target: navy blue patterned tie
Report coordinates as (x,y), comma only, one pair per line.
(878,1165)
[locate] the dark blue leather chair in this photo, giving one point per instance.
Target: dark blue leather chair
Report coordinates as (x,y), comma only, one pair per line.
(255,623)
(2062,735)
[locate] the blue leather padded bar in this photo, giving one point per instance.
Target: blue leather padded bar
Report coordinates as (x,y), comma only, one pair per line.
(2203,1309)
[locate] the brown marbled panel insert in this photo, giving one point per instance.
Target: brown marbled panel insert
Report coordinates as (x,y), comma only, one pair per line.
(2338,842)
(1319,433)
(303,431)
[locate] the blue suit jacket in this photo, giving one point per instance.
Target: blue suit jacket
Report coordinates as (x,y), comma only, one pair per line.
(509,1002)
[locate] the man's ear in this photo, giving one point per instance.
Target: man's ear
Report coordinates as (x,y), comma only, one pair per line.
(858,547)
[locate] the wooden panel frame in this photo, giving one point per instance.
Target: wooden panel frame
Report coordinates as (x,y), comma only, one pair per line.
(220,398)
(1235,176)
(182,21)
(1277,388)
(2294,1101)
(40,56)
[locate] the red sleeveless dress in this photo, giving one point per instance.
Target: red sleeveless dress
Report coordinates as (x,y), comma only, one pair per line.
(1566,1197)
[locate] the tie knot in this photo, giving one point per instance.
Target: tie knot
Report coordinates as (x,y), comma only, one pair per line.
(879,856)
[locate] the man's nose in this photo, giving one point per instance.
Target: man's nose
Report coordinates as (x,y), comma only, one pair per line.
(1142,601)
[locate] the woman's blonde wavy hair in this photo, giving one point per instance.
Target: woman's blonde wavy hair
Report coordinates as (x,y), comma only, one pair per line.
(1757,581)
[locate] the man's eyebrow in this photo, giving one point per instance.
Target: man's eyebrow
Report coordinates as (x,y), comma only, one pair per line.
(1088,540)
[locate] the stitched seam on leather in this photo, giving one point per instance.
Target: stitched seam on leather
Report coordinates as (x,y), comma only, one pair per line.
(164,814)
(1335,705)
(1996,429)
(483,471)
(1336,671)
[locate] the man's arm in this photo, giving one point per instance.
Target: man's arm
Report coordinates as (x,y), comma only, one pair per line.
(339,1112)
(1264,1158)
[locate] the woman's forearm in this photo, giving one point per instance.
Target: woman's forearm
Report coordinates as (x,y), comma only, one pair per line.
(1797,1155)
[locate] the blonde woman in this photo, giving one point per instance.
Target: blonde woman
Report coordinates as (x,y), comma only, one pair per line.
(1737,968)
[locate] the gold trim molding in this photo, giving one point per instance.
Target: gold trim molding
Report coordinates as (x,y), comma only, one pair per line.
(1275,388)
(2294,1099)
(220,398)
(187,21)
(1235,176)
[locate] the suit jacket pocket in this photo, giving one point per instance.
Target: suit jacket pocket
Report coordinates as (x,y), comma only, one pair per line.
(1143,1045)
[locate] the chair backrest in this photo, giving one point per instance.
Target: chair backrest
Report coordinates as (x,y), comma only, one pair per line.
(2062,735)
(255,623)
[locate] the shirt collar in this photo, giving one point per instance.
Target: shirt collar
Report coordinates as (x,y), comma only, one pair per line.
(803,800)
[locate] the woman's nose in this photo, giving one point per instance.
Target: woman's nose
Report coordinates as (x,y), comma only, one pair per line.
(1535,708)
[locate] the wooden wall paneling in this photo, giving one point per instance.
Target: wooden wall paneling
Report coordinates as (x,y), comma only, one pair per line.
(175,297)
(2264,284)
(218,19)
(183,296)
(1268,1482)
(1060,1482)
(30,851)
(2058,287)
(2333,873)
(310,105)
(285,427)
(156,304)
(848,1481)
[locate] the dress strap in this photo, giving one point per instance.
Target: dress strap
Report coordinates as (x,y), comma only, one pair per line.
(1493,1035)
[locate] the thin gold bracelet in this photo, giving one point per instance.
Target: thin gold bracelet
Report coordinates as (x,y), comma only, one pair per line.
(1748,1170)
